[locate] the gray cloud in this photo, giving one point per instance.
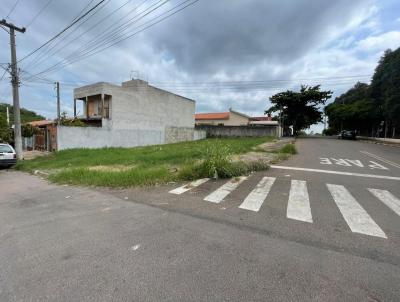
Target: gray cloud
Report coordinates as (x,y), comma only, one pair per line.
(228,40)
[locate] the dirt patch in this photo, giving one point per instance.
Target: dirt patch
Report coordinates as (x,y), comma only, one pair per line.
(112,168)
(27,155)
(254,157)
(263,152)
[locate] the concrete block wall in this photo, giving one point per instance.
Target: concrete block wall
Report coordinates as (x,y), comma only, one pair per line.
(199,134)
(239,131)
(96,137)
(178,134)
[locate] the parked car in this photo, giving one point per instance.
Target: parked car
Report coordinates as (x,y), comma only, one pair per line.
(347,134)
(8,157)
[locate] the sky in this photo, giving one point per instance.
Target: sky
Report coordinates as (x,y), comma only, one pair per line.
(223,54)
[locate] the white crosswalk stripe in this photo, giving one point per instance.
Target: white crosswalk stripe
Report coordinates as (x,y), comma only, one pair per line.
(218,195)
(356,217)
(255,199)
(299,203)
(189,186)
(388,199)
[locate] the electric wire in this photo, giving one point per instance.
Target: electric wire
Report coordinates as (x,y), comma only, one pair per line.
(41,58)
(39,13)
(104,36)
(150,23)
(12,9)
(61,32)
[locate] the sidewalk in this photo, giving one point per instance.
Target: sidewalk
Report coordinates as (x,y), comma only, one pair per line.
(383,141)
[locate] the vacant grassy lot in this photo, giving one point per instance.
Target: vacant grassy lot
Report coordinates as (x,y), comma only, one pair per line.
(120,167)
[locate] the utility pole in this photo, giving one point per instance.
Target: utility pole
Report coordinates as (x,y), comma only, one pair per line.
(15,86)
(58,102)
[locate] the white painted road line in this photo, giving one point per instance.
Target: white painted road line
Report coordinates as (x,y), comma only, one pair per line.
(336,172)
(299,203)
(388,199)
(255,199)
(218,195)
(189,186)
(381,159)
(356,217)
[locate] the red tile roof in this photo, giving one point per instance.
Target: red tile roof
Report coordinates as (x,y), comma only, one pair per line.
(212,116)
(40,123)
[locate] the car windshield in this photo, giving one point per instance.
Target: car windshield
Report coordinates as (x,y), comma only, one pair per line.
(5,149)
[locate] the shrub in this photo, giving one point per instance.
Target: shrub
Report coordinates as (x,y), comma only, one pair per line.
(217,160)
(288,149)
(28,130)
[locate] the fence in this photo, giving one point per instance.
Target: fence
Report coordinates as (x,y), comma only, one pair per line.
(239,131)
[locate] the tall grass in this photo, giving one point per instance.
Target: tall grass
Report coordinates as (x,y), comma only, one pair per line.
(147,165)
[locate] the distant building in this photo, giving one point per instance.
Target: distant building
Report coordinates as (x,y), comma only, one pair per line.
(45,138)
(263,121)
(230,118)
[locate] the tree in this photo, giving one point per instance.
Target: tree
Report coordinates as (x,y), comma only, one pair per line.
(300,109)
(385,87)
(364,106)
(5,130)
(354,109)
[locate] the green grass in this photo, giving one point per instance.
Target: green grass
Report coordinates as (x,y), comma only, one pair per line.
(125,167)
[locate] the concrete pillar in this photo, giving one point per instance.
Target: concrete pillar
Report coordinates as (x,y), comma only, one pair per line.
(102,106)
(87,107)
(74,108)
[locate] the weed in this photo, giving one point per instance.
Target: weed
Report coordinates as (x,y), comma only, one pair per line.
(288,149)
(124,167)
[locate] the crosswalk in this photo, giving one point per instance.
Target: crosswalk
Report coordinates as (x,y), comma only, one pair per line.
(298,203)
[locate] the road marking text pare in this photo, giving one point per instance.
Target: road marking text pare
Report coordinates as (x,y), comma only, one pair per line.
(351,163)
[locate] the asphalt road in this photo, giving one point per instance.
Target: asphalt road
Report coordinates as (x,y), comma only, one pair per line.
(317,235)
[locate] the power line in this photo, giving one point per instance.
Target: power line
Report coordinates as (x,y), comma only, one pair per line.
(39,12)
(12,9)
(61,32)
(92,52)
(39,55)
(111,31)
(4,73)
(265,81)
(40,58)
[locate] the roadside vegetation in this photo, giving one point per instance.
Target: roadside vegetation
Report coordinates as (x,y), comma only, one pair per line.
(372,109)
(150,165)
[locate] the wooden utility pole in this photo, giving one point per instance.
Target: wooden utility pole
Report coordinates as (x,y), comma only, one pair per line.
(15,86)
(58,101)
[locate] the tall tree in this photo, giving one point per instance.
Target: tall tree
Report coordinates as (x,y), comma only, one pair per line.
(354,109)
(385,87)
(300,109)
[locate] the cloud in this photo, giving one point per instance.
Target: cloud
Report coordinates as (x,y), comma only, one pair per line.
(211,41)
(381,42)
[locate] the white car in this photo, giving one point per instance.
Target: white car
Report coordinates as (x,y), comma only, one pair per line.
(8,157)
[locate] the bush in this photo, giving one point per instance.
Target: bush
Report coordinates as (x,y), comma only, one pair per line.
(28,130)
(69,122)
(288,149)
(217,160)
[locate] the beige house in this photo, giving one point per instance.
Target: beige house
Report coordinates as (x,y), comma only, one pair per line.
(230,118)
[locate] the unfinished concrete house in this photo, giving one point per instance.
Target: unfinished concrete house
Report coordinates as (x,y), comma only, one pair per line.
(134,114)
